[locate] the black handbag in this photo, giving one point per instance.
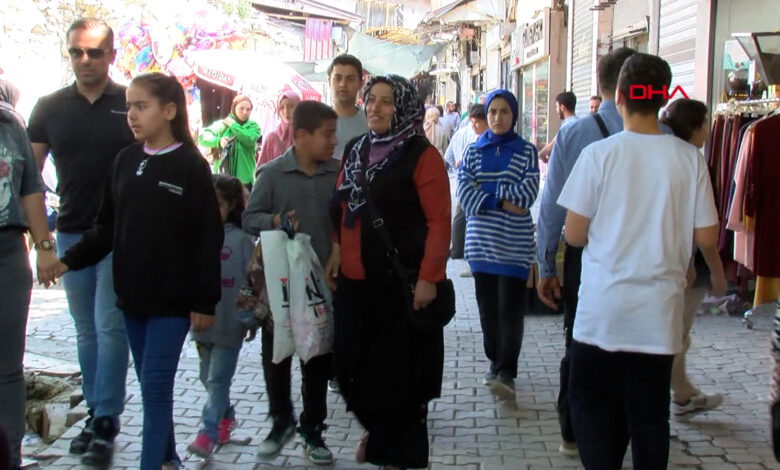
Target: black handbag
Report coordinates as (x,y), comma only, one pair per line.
(440,311)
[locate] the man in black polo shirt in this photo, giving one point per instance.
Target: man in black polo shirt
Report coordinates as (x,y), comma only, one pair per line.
(84,126)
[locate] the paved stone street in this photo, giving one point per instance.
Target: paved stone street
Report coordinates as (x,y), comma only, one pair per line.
(468,428)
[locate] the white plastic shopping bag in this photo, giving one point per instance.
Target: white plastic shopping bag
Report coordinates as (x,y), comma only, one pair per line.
(311,308)
(277,280)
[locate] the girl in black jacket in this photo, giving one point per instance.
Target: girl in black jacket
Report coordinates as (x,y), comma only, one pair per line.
(159,215)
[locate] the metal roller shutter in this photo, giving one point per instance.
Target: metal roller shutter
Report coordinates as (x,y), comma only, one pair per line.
(677,41)
(582,53)
(629,13)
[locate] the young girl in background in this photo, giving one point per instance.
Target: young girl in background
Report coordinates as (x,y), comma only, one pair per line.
(280,139)
(498,181)
(218,347)
(690,121)
(159,215)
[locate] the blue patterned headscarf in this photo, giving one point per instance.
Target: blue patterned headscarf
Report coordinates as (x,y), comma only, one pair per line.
(380,151)
(488,137)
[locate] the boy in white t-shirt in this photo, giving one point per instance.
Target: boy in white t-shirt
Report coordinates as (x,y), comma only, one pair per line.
(636,200)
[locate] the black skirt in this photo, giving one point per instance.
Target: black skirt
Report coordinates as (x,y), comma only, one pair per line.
(387,369)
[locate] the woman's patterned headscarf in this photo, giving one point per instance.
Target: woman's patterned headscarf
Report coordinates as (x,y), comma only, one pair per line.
(379,151)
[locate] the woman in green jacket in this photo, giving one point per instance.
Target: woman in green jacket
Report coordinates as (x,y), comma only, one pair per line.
(239,134)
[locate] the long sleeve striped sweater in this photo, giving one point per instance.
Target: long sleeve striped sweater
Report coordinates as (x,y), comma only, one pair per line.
(498,242)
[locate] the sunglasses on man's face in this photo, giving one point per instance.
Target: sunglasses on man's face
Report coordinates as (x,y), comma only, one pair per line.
(77,53)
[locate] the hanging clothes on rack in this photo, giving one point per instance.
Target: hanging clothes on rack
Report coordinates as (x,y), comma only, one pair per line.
(762,200)
(744,240)
(748,172)
(739,126)
(713,150)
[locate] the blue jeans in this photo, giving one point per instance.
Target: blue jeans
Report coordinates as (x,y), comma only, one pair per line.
(100,332)
(217,366)
(156,343)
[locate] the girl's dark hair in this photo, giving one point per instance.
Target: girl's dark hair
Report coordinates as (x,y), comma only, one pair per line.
(684,117)
(168,90)
(232,191)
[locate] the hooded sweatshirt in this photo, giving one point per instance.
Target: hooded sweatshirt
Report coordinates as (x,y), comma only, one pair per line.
(243,149)
(280,139)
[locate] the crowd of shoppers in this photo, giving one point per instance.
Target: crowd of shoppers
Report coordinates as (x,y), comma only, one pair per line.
(153,245)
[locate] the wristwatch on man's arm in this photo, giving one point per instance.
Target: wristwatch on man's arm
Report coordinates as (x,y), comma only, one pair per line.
(45,245)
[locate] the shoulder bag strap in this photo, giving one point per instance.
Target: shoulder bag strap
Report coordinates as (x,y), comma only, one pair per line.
(602,125)
(378,225)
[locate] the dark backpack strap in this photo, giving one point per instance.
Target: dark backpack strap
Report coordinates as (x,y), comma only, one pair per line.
(602,125)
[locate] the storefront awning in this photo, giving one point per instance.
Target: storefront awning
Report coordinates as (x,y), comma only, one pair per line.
(382,57)
(302,9)
(311,71)
(460,11)
(250,73)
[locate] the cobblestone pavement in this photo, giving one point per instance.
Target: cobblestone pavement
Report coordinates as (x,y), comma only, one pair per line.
(469,429)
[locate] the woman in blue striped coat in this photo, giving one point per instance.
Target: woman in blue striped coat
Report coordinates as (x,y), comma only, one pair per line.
(497,183)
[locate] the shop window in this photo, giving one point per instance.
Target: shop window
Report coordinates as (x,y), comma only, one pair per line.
(639,43)
(478,81)
(534,103)
(506,74)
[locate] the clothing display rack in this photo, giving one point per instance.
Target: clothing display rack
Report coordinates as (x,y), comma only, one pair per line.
(762,106)
(739,163)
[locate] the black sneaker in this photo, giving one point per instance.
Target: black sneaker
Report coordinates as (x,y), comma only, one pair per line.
(99,454)
(490,376)
(503,387)
(101,449)
(281,433)
(80,443)
(333,386)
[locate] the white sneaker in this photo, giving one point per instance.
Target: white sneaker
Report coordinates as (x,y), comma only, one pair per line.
(698,403)
(466,273)
(569,449)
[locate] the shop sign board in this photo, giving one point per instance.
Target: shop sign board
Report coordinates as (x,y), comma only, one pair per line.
(535,39)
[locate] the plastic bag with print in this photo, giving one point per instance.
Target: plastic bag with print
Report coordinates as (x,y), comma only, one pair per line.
(277,276)
(311,307)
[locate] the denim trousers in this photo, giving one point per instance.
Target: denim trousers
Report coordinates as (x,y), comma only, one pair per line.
(617,397)
(156,343)
(100,332)
(217,366)
(15,290)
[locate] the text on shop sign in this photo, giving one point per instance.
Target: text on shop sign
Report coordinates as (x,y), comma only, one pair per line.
(533,33)
(646,92)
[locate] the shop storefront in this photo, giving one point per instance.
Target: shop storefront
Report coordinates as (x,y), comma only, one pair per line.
(539,75)
(733,74)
